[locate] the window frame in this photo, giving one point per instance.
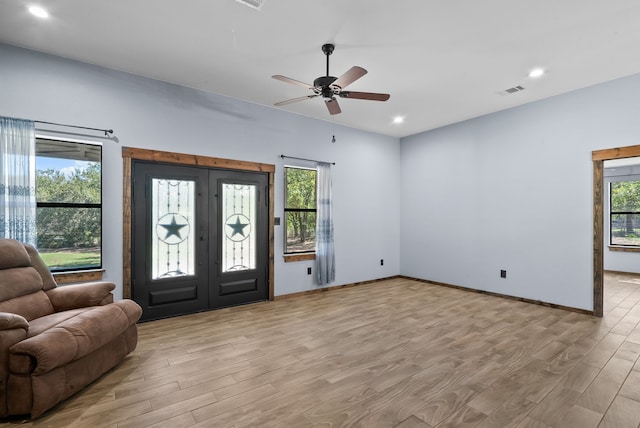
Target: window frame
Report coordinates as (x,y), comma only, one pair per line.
(71,274)
(293,256)
(619,246)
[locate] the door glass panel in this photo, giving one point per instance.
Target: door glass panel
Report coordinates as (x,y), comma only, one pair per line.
(239,219)
(173,242)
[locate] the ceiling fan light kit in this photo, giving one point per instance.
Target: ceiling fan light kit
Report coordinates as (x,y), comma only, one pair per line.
(328,87)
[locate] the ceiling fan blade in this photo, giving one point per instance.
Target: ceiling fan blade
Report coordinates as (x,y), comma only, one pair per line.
(292,81)
(365,95)
(353,74)
(294,100)
(332,105)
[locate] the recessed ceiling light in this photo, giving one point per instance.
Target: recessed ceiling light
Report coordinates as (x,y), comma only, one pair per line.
(255,4)
(38,11)
(536,72)
(398,119)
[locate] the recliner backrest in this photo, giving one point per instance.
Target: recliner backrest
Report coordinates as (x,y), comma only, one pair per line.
(21,285)
(36,261)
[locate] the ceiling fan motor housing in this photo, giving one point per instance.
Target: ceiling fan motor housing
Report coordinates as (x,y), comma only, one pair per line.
(322,84)
(324,81)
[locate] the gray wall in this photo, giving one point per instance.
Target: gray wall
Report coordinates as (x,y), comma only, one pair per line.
(513,190)
(149,114)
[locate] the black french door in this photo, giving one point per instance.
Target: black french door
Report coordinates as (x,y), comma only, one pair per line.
(200,238)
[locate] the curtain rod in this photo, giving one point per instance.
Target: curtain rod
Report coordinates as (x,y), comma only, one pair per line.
(106,131)
(303,159)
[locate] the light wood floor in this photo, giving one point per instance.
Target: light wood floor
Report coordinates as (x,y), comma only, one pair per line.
(397,353)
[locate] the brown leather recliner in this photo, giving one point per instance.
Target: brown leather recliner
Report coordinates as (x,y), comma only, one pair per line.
(55,340)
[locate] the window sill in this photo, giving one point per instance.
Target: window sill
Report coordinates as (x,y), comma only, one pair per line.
(624,249)
(299,257)
(78,276)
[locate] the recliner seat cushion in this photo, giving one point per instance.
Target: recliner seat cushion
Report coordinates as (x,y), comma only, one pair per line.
(73,338)
(46,322)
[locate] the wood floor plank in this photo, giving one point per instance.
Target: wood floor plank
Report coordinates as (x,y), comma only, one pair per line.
(341,404)
(412,422)
(623,412)
(219,407)
(106,407)
(529,422)
(447,403)
(464,417)
(183,420)
(398,353)
(631,386)
(390,409)
(580,377)
(552,410)
(600,355)
(491,398)
(275,410)
(162,413)
(628,351)
(606,385)
(113,416)
(509,414)
(579,417)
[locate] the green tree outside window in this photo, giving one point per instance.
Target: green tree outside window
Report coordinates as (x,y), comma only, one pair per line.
(300,210)
(625,213)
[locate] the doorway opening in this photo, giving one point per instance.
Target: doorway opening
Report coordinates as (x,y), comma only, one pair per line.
(599,157)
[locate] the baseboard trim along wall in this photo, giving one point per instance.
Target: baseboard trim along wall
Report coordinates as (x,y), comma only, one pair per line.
(619,272)
(332,288)
(441,284)
(504,296)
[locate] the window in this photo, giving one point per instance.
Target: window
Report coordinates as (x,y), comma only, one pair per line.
(625,213)
(300,210)
(69,204)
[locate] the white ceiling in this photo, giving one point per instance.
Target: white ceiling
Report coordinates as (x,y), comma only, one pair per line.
(442,61)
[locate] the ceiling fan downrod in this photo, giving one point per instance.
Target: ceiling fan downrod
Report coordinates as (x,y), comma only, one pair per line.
(323,83)
(328,50)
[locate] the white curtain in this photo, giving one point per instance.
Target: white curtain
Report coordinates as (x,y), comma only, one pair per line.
(17,180)
(325,256)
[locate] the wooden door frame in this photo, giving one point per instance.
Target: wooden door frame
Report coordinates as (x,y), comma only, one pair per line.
(598,157)
(129,154)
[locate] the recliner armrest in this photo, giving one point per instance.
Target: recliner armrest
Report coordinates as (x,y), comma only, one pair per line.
(9,321)
(74,296)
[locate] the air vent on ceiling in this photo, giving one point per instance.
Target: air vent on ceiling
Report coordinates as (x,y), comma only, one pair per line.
(254,4)
(514,89)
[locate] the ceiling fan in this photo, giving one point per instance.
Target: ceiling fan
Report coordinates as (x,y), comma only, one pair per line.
(328,87)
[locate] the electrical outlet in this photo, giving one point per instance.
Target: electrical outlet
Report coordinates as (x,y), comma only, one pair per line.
(503,273)
(381,262)
(308,271)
